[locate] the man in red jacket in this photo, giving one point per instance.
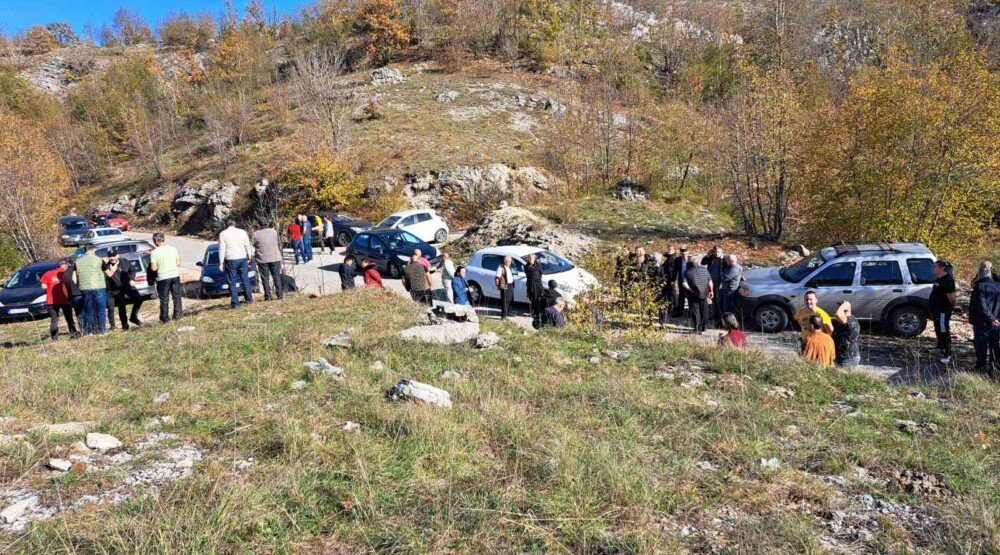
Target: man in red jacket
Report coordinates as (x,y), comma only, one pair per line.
(57,299)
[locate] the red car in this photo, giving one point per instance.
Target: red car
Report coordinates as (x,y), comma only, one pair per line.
(109,219)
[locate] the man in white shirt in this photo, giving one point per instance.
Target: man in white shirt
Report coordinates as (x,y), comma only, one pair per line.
(447,273)
(327,234)
(235,252)
(504,280)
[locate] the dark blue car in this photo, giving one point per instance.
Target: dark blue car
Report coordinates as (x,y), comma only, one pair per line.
(389,249)
(213,280)
(22,297)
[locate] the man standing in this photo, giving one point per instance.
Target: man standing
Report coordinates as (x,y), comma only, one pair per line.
(90,278)
(307,240)
(120,280)
(808,310)
(347,274)
(943,301)
(328,234)
(535,289)
(681,264)
(729,284)
(714,262)
(57,299)
(504,281)
(699,288)
(417,280)
(235,252)
(295,238)
(73,291)
(447,275)
(267,254)
(984,315)
(166,262)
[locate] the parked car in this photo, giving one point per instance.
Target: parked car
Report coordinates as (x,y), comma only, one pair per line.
(22,296)
(425,224)
(140,263)
(885,283)
(389,249)
(345,228)
(213,280)
(100,235)
(130,245)
(482,268)
(109,219)
(72,229)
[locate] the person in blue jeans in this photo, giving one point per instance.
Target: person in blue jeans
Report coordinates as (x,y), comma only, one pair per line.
(235,252)
(307,245)
(90,278)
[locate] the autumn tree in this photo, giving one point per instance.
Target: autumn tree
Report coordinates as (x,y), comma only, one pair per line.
(63,33)
(912,155)
(183,30)
(37,40)
(127,29)
(380,21)
(32,184)
(317,89)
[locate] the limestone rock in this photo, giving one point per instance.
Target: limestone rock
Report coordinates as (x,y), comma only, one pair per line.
(62,465)
(323,367)
(17,510)
(449,375)
(386,76)
(103,442)
(448,96)
(298,385)
(376,366)
(351,427)
(628,191)
(161,398)
(518,226)
(443,334)
(147,203)
(204,207)
(770,464)
(486,340)
(475,185)
(68,428)
(411,390)
(342,340)
(124,204)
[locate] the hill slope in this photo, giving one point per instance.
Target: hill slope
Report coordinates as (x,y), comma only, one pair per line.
(551,444)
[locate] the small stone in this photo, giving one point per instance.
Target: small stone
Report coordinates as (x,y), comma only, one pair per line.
(486,340)
(121,458)
(411,390)
(185,329)
(161,398)
(449,96)
(185,463)
(62,465)
(342,340)
(782,392)
(707,466)
(377,365)
(103,442)
(618,356)
(449,375)
(11,439)
(350,427)
(298,385)
(323,367)
(792,430)
(595,360)
(770,464)
(17,510)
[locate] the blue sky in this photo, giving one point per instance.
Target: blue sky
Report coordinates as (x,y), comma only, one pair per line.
(18,15)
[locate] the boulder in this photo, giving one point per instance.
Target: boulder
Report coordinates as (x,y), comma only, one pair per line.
(342,340)
(629,191)
(449,96)
(386,76)
(205,207)
(518,226)
(148,202)
(411,390)
(324,368)
(800,250)
(476,185)
(124,204)
(62,465)
(532,102)
(103,442)
(18,509)
(486,340)
(450,333)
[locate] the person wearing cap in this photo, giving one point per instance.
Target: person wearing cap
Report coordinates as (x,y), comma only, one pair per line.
(679,279)
(120,279)
(166,262)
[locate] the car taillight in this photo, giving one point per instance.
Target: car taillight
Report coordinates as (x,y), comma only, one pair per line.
(141,277)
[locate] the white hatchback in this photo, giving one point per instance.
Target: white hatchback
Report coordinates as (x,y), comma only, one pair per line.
(99,235)
(427,225)
(482,268)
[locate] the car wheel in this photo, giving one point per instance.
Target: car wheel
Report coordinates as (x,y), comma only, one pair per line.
(441,236)
(395,270)
(770,318)
(908,321)
(343,239)
(475,293)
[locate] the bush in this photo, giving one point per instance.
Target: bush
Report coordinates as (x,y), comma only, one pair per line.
(188,31)
(10,259)
(317,183)
(37,40)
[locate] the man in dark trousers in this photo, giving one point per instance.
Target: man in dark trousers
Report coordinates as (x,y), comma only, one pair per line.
(267,255)
(667,269)
(417,280)
(984,315)
(943,300)
(681,264)
(347,274)
(120,278)
(714,261)
(504,280)
(698,285)
(533,277)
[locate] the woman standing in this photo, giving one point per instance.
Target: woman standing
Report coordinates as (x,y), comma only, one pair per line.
(846,336)
(460,286)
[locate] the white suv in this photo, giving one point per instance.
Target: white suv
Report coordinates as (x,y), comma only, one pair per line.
(427,225)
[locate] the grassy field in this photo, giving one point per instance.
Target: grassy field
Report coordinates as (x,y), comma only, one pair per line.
(551,446)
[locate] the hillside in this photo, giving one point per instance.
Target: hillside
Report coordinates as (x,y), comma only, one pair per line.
(577,441)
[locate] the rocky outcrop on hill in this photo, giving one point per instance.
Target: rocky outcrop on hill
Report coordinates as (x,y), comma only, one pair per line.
(57,71)
(474,185)
(518,226)
(148,202)
(124,204)
(386,76)
(204,207)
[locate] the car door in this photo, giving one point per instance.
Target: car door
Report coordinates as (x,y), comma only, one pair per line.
(423,227)
(881,281)
(834,283)
(520,281)
(487,273)
(920,277)
(379,253)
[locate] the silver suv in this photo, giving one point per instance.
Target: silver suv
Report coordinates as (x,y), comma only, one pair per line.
(886,283)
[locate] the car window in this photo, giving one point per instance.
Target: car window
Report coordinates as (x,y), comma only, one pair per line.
(798,271)
(388,222)
(408,221)
(836,275)
(425,217)
(361,242)
(920,270)
(881,272)
(75,226)
(552,263)
(491,262)
(108,232)
(212,259)
(26,278)
(90,235)
(377,244)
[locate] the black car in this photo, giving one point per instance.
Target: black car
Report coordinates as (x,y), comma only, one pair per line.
(389,249)
(344,227)
(22,297)
(72,229)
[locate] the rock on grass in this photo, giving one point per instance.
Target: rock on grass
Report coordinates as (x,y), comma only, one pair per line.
(103,442)
(411,390)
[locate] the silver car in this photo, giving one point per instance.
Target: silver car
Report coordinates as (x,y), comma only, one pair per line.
(885,283)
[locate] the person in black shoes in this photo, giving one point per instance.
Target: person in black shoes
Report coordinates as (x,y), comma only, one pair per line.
(943,300)
(120,279)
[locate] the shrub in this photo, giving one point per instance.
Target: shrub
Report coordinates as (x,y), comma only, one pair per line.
(37,40)
(10,259)
(318,182)
(188,31)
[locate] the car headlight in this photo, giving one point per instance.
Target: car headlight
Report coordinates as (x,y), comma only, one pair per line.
(39,300)
(356,228)
(206,279)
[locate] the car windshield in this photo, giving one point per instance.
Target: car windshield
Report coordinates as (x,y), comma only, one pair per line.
(25,278)
(552,263)
(798,271)
(401,239)
(388,222)
(212,259)
(75,226)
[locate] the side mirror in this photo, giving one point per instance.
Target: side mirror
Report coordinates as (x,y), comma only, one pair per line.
(200,264)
